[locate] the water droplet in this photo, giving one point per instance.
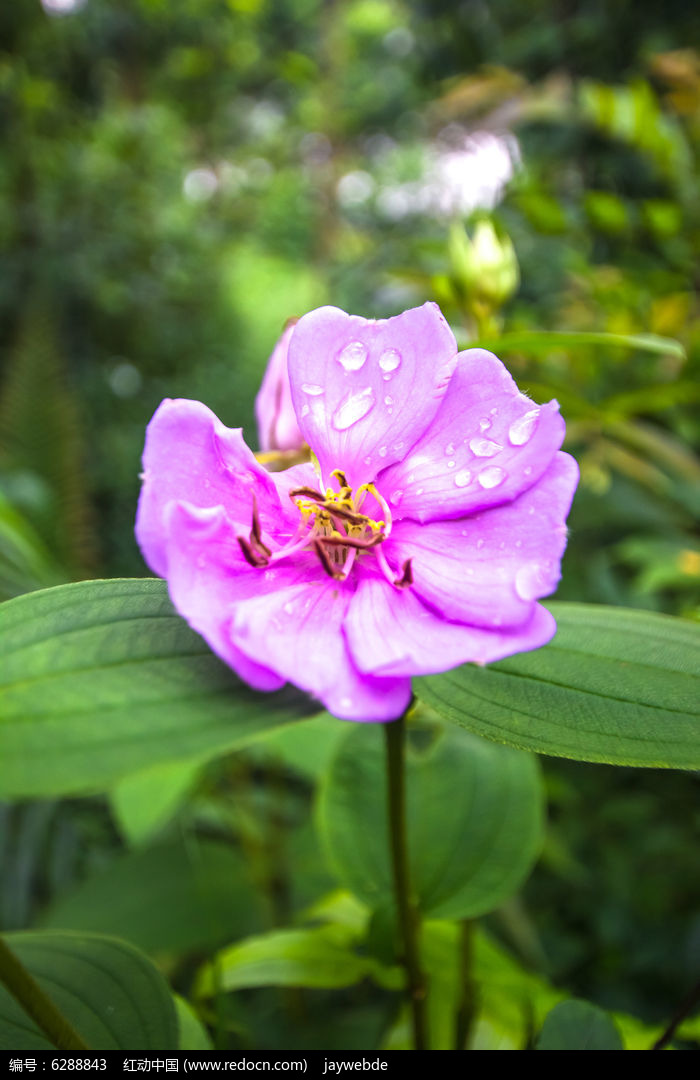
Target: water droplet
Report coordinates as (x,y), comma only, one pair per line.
(353,356)
(305,410)
(352,408)
(451,464)
(388,400)
(465,532)
(396,497)
(419,491)
(518,543)
(491,477)
(410,479)
(530,582)
(521,430)
(399,446)
(462,478)
(494,412)
(480,542)
(484,447)
(382,451)
(527,471)
(450,449)
(368,460)
(289,607)
(312,389)
(389,361)
(484,424)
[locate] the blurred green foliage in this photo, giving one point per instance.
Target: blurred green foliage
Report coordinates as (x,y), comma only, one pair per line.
(176,180)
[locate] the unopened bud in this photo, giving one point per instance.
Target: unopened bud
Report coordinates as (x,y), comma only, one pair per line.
(485,267)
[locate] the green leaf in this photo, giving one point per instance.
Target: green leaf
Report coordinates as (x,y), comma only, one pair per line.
(144,802)
(474,820)
(169,898)
(193,1034)
(539,342)
(101,678)
(615,685)
(318,959)
(112,995)
(306,746)
(577,1025)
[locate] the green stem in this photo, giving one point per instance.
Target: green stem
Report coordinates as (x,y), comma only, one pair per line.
(467,1002)
(408,916)
(684,1009)
(26,991)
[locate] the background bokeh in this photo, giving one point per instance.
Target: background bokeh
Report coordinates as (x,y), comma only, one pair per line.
(179,178)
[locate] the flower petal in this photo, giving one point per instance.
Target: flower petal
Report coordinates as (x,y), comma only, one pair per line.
(365,390)
(486,445)
(274,412)
(489,568)
(208,577)
(190,455)
(297,632)
(297,476)
(390,632)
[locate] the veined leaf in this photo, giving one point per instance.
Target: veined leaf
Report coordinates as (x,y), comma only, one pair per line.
(112,995)
(474,820)
(578,1025)
(101,678)
(615,685)
(169,898)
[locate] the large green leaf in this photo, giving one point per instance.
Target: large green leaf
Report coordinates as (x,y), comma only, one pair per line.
(102,678)
(318,958)
(169,898)
(112,995)
(474,820)
(578,1025)
(615,685)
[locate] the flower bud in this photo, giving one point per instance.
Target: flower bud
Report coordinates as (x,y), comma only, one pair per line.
(274,412)
(485,268)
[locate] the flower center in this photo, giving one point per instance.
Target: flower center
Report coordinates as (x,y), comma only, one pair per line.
(336,527)
(332,525)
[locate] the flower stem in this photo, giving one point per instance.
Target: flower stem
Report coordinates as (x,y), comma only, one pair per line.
(26,991)
(467,1002)
(407,911)
(683,1010)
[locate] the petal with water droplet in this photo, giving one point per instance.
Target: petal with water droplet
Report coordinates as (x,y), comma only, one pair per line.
(354,406)
(484,447)
(481,397)
(441,552)
(298,632)
(416,349)
(391,632)
(352,356)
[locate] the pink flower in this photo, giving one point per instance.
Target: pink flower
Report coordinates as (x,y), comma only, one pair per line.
(274,412)
(436,523)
